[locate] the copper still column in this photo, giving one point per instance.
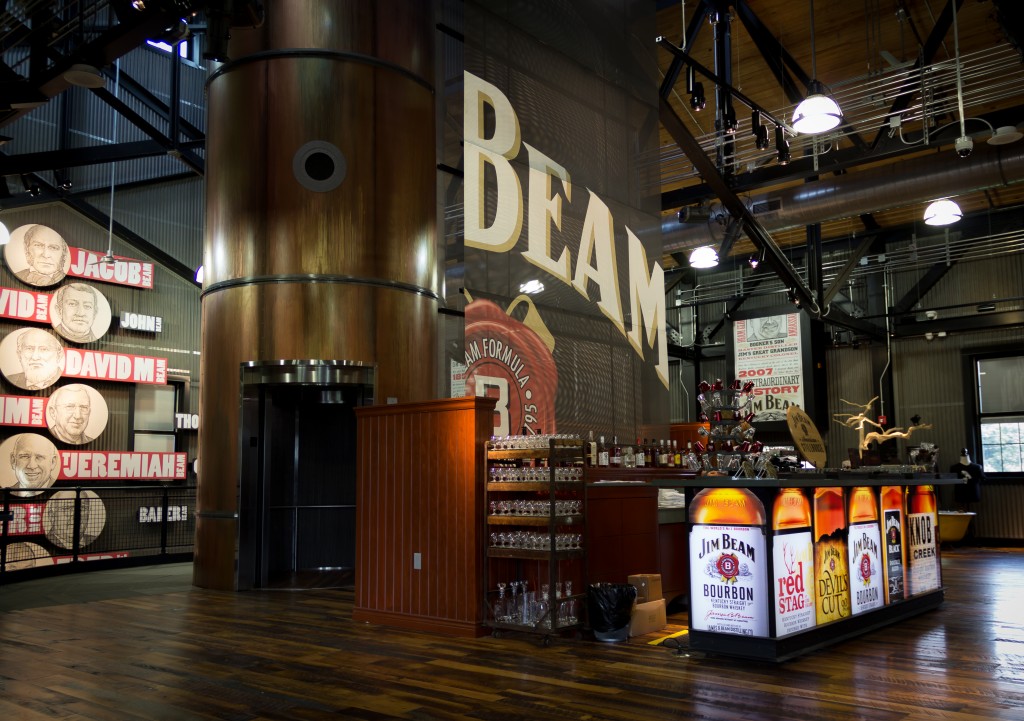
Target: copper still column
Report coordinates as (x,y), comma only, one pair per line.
(320,235)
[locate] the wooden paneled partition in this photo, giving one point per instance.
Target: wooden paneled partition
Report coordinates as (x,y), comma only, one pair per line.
(419,517)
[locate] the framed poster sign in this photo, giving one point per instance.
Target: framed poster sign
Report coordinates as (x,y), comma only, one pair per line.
(772,349)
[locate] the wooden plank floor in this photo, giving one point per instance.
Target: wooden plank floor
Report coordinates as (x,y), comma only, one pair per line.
(195,654)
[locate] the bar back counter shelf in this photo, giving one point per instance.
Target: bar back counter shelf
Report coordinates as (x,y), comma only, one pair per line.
(782,566)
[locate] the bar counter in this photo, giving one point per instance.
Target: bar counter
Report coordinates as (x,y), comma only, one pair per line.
(622,504)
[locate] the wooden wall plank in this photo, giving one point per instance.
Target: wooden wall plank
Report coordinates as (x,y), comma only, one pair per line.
(419,490)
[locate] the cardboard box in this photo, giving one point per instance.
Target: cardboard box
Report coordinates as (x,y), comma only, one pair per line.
(648,586)
(647,618)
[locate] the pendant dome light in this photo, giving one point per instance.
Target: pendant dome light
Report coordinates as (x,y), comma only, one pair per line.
(818,113)
(703,257)
(942,212)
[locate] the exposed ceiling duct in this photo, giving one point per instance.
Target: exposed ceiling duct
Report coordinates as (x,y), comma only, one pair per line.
(890,186)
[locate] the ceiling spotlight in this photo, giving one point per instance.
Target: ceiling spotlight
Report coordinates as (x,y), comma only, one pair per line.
(760,131)
(697,101)
(818,113)
(703,257)
(696,90)
(781,145)
(1004,135)
(754,261)
(729,122)
(942,212)
(5,235)
(200,275)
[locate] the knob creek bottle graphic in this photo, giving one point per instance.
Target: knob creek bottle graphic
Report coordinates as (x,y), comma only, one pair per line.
(793,557)
(894,560)
(729,571)
(865,543)
(831,574)
(923,570)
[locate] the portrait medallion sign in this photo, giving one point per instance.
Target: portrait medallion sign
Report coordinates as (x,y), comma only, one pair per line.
(31,358)
(79,313)
(29,462)
(76,414)
(37,255)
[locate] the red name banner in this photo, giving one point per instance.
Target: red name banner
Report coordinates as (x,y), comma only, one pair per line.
(26,520)
(80,363)
(24,305)
(23,411)
(121,465)
(124,271)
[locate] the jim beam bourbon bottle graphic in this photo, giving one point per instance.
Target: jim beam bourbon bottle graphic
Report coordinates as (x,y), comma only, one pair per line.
(729,576)
(894,556)
(831,574)
(923,571)
(864,539)
(793,556)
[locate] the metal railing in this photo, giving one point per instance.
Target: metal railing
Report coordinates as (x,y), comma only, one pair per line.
(119,525)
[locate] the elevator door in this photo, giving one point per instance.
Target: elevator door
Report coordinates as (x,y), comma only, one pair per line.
(307,486)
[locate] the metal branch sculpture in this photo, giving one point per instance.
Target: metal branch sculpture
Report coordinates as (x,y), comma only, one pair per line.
(859,420)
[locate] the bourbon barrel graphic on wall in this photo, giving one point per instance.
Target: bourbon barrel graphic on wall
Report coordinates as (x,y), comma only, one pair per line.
(511,360)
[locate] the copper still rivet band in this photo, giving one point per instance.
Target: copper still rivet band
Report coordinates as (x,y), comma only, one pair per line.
(310,278)
(288,53)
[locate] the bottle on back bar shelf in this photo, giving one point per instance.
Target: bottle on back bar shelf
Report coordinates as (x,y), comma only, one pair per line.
(602,453)
(591,451)
(628,456)
(831,574)
(616,455)
(864,540)
(677,456)
(663,454)
(641,453)
(670,456)
(894,561)
(793,553)
(728,567)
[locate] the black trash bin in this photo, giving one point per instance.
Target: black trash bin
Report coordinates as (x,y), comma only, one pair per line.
(609,606)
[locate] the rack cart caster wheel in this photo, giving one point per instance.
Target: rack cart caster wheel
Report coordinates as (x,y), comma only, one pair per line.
(546,641)
(495,633)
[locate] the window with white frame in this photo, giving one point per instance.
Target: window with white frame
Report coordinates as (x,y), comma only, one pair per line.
(1000,394)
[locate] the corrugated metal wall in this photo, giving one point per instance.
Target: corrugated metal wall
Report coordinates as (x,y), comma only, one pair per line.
(171,215)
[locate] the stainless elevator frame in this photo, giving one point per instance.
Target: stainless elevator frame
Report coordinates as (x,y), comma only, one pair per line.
(256,378)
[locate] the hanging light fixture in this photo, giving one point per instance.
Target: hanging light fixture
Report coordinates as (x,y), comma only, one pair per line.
(696,90)
(760,132)
(5,235)
(942,212)
(781,145)
(703,257)
(818,113)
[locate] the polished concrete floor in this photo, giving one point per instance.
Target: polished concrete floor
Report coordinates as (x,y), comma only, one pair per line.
(86,587)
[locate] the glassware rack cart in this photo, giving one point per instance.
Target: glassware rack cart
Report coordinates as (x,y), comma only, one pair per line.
(535,530)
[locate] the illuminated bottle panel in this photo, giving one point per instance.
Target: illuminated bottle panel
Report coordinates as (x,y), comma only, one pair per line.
(894,557)
(923,570)
(831,574)
(864,540)
(729,571)
(793,556)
